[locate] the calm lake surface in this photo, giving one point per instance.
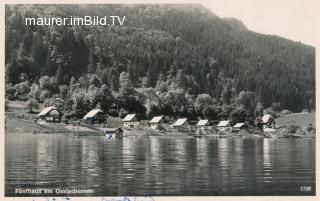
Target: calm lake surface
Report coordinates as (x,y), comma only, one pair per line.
(160,166)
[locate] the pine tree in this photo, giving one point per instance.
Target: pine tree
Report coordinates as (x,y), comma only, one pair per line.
(12,72)
(131,74)
(49,67)
(59,75)
(91,67)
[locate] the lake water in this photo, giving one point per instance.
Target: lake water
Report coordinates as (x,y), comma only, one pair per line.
(160,166)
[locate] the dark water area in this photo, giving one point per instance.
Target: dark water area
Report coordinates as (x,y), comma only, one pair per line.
(160,166)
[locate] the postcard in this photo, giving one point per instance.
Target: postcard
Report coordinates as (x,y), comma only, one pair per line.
(164,100)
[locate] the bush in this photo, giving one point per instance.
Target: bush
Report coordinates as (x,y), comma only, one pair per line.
(34,91)
(22,90)
(44,95)
(64,90)
(10,92)
(123,113)
(113,112)
(32,104)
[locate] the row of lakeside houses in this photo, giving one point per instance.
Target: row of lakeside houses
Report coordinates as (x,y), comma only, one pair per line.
(182,124)
(96,116)
(157,123)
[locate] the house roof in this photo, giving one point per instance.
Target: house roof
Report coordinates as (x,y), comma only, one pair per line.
(202,122)
(266,118)
(92,113)
(129,117)
(223,123)
(46,110)
(155,120)
(111,130)
(238,125)
(180,122)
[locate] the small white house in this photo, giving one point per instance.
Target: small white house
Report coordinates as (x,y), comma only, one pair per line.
(238,126)
(203,125)
(268,120)
(156,122)
(181,124)
(224,126)
(130,121)
(268,123)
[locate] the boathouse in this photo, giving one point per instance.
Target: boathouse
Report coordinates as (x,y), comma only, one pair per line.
(95,116)
(238,126)
(224,126)
(50,115)
(202,125)
(112,133)
(181,124)
(130,121)
(156,122)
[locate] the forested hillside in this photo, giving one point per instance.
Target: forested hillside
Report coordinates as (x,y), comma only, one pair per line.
(177,60)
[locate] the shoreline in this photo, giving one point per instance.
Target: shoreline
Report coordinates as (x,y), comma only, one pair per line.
(22,126)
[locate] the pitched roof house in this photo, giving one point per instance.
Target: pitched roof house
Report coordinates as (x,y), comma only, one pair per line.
(267,118)
(180,122)
(130,121)
(224,125)
(95,116)
(203,126)
(50,114)
(238,125)
(156,122)
(203,122)
(129,117)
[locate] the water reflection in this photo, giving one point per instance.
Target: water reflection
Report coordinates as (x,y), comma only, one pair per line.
(161,166)
(266,161)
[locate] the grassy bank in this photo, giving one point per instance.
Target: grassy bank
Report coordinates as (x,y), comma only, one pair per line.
(298,119)
(20,126)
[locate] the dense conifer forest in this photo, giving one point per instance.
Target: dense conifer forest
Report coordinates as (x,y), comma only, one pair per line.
(176,60)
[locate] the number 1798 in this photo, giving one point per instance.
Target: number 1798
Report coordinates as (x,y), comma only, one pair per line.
(305,188)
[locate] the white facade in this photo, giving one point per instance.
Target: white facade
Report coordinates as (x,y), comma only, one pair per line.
(155,126)
(130,121)
(224,126)
(204,128)
(131,124)
(238,126)
(181,124)
(202,125)
(156,122)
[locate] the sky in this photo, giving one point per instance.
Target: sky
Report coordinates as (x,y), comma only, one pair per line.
(296,20)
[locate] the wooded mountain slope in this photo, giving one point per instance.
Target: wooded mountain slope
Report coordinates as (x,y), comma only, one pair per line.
(180,60)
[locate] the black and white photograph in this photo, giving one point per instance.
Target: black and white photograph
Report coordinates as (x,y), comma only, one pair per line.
(147,100)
